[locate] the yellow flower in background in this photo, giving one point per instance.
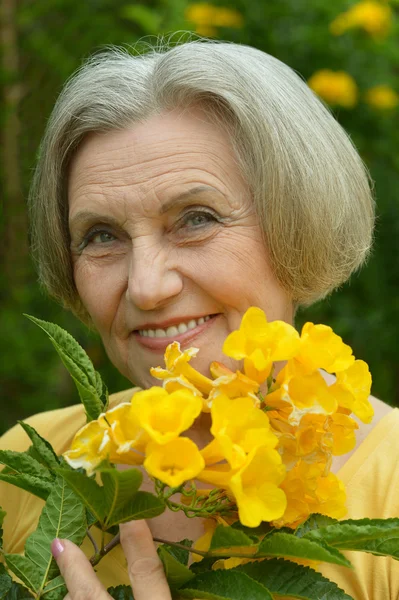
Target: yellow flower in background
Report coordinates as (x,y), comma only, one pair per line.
(164,416)
(321,348)
(175,462)
(352,390)
(176,363)
(330,497)
(342,428)
(91,445)
(382,97)
(255,487)
(261,343)
(207,18)
(374,17)
(335,87)
(310,489)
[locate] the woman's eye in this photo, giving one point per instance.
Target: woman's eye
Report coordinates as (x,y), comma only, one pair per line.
(101,237)
(198,219)
(96,237)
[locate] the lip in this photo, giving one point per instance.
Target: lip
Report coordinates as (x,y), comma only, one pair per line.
(159,344)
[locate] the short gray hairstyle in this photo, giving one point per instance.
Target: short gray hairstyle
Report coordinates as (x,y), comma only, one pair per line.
(311,190)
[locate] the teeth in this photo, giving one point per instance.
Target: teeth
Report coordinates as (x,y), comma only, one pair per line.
(173,330)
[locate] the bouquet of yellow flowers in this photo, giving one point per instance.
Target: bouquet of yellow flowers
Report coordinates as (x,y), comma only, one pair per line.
(263,482)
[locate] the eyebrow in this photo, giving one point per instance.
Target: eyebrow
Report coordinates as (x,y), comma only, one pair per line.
(175,202)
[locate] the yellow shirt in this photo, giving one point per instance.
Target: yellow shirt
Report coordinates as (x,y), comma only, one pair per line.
(371,477)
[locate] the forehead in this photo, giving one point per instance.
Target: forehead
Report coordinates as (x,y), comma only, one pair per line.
(170,149)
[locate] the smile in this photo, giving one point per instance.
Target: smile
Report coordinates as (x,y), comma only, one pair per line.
(157,339)
(174,330)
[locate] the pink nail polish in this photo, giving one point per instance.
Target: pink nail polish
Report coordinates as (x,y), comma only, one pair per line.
(57,547)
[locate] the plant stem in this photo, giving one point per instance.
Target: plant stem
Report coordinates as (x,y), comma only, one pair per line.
(93,541)
(95,559)
(116,541)
(202,552)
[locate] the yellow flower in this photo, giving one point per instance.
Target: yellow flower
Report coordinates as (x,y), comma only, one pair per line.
(164,416)
(309,489)
(176,363)
(335,87)
(352,390)
(127,434)
(261,343)
(255,487)
(217,475)
(233,385)
(305,392)
(91,445)
(382,97)
(342,429)
(207,18)
(374,17)
(321,348)
(330,497)
(238,428)
(175,462)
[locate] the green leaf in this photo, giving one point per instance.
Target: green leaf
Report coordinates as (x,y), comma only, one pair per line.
(176,573)
(376,536)
(121,592)
(287,545)
(221,585)
(203,566)
(227,537)
(63,516)
(5,582)
(119,488)
(79,365)
(285,578)
(90,493)
(22,463)
(181,555)
(142,506)
(314,521)
(42,447)
(33,485)
(254,532)
(18,592)
(24,569)
(55,589)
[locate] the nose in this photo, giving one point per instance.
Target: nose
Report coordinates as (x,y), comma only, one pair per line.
(152,280)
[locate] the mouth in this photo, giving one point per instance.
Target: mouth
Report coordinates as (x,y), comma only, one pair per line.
(159,338)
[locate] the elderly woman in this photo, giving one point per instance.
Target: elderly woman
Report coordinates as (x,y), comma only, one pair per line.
(173,191)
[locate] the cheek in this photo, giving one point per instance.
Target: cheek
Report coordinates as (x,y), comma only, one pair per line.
(100,291)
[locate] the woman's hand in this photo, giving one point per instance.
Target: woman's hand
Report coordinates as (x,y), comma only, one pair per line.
(145,569)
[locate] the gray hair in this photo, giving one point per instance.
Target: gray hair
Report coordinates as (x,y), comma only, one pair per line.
(310,188)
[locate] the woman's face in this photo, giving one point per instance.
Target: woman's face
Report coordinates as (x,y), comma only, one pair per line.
(166,243)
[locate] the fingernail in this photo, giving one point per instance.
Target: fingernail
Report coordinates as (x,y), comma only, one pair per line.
(57,547)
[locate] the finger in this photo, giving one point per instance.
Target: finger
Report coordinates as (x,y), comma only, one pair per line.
(145,568)
(77,571)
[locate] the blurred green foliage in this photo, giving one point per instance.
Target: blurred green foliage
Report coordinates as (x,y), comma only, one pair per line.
(43,43)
